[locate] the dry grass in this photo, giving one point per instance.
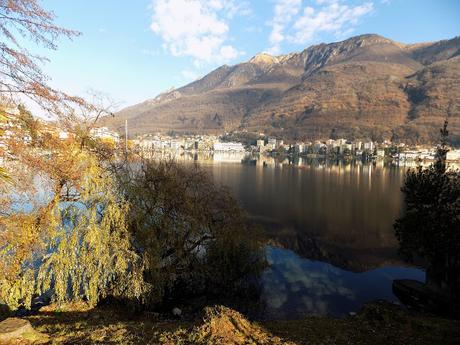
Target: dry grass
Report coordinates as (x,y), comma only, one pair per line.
(222,326)
(378,323)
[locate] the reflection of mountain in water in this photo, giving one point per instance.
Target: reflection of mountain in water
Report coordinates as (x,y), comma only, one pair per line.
(339,213)
(293,286)
(336,212)
(352,259)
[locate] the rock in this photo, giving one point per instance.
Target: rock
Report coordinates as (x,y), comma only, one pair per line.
(15,330)
(177,312)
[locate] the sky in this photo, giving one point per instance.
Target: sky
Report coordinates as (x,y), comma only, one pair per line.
(134,50)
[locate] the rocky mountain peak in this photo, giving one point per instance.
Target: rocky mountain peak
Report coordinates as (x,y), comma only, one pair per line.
(367,86)
(369,39)
(264,58)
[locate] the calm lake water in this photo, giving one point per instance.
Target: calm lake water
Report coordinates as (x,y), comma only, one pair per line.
(331,228)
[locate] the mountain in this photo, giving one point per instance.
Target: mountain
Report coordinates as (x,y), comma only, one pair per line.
(367,86)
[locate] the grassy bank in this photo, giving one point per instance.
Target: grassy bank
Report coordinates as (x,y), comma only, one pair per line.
(376,323)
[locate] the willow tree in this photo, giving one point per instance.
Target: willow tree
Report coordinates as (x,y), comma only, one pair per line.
(62,225)
(66,234)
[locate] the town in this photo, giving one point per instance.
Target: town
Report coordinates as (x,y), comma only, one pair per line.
(342,148)
(333,148)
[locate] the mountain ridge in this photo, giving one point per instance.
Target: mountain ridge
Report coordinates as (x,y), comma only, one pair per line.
(367,86)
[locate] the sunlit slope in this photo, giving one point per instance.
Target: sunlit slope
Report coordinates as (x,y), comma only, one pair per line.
(366,86)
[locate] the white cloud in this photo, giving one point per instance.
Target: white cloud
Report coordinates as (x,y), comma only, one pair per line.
(197,28)
(300,24)
(284,12)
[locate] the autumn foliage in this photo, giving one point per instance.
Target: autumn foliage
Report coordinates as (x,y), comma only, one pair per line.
(62,225)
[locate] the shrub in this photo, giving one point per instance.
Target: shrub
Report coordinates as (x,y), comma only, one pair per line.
(193,234)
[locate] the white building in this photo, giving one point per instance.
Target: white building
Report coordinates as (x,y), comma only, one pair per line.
(357,145)
(176,144)
(271,144)
(369,146)
(299,148)
(230,146)
(453,155)
(341,142)
(318,147)
(409,155)
(330,142)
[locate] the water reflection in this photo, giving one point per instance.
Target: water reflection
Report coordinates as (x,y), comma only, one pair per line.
(331,226)
(330,211)
(293,287)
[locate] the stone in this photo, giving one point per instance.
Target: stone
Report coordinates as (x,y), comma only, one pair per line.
(177,312)
(15,330)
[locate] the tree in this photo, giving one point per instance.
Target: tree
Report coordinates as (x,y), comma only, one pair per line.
(4,176)
(192,233)
(67,233)
(21,75)
(20,71)
(430,226)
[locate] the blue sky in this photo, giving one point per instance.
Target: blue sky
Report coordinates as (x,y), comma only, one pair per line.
(133,50)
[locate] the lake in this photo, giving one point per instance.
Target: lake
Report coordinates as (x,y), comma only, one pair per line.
(332,245)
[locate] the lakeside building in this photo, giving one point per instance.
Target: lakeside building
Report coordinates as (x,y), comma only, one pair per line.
(299,148)
(229,146)
(369,146)
(271,144)
(365,149)
(453,155)
(357,145)
(159,142)
(417,155)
